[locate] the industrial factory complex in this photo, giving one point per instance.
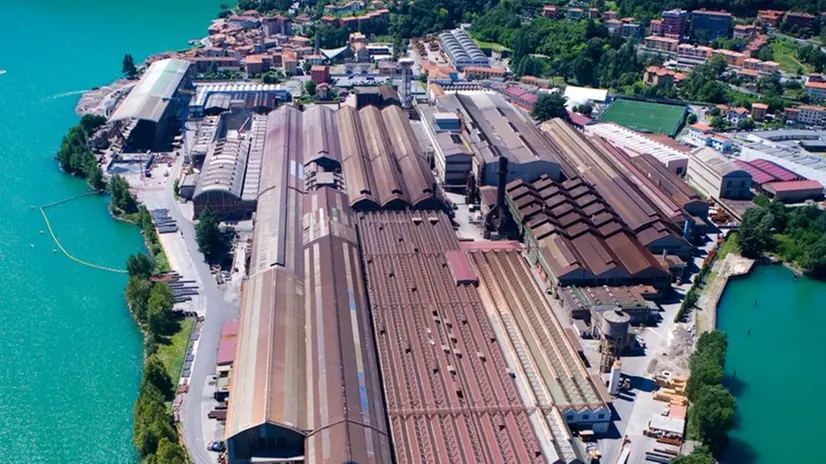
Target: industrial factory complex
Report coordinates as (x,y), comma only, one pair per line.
(424,279)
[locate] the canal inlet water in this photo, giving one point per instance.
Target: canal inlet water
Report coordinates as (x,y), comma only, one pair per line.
(775,348)
(71,352)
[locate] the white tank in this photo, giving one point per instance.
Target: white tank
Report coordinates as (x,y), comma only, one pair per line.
(616,377)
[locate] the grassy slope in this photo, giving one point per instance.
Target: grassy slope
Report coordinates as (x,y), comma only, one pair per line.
(491,45)
(785,54)
(172,354)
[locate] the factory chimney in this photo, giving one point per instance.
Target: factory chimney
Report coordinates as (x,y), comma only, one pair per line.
(317,50)
(497,220)
(501,185)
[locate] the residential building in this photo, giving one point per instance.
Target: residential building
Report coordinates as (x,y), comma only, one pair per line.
(732,58)
(758,111)
(593,13)
(719,142)
(746,31)
(255,65)
(811,115)
(673,23)
(717,176)
(709,25)
(799,20)
(320,73)
(748,76)
(655,27)
(631,30)
(769,68)
(473,73)
(348,7)
(770,18)
(613,25)
(736,115)
(700,130)
(663,44)
(273,25)
(203,64)
(662,77)
(290,66)
(550,11)
(816,90)
(314,60)
(692,53)
(575,14)
(610,14)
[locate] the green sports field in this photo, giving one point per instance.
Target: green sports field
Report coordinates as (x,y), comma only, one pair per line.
(657,118)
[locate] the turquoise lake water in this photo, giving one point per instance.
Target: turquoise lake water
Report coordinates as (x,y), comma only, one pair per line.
(70,354)
(778,365)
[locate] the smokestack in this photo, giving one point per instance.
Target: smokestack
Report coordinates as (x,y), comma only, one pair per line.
(500,194)
(502,183)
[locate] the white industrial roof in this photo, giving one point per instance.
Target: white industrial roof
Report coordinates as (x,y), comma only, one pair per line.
(715,161)
(581,95)
(203,91)
(809,166)
(150,96)
(667,424)
(635,143)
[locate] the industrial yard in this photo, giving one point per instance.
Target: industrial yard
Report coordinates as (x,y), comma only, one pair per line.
(426,274)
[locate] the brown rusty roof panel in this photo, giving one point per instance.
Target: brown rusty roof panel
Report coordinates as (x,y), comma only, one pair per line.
(449,397)
(345,407)
(580,241)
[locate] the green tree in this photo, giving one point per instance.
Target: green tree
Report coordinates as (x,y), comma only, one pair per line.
(692,118)
(309,88)
(746,124)
(122,199)
(718,123)
(814,258)
(95,178)
(158,309)
(711,415)
(91,122)
(128,68)
(152,421)
(140,265)
(306,67)
(700,455)
(169,453)
(154,373)
(584,109)
(137,296)
(548,106)
(208,234)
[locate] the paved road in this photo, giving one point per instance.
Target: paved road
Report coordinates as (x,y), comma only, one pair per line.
(216,311)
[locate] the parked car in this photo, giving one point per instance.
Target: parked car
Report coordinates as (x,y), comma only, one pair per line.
(216,446)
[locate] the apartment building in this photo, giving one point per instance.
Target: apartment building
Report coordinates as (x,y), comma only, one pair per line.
(710,24)
(770,18)
(816,90)
(673,23)
(694,53)
(655,27)
(732,58)
(663,44)
(769,68)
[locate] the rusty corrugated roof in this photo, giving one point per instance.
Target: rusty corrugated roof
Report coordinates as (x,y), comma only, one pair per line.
(580,235)
(449,397)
